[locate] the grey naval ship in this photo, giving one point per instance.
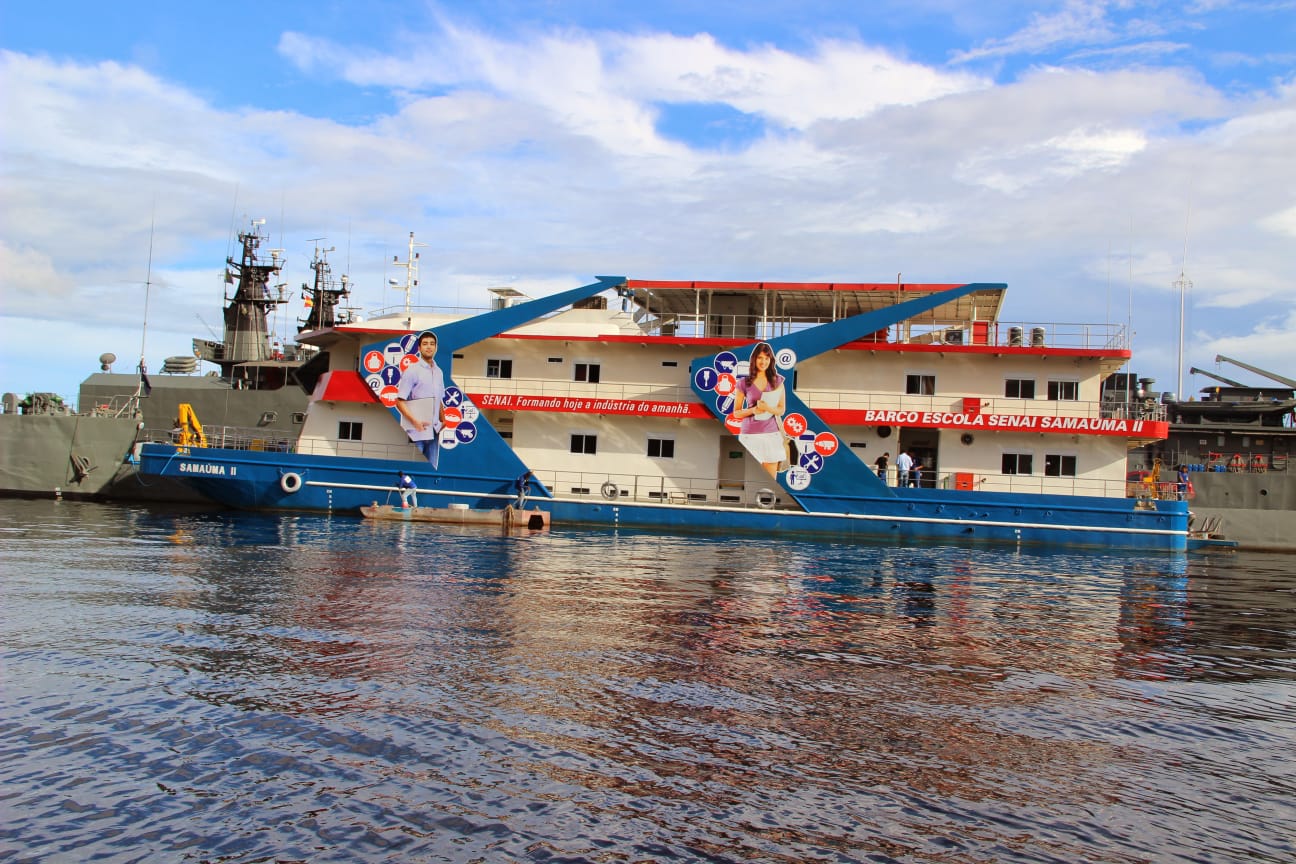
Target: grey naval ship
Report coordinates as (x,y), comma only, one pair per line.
(1234,442)
(257,393)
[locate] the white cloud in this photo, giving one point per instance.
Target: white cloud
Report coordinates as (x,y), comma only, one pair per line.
(537,162)
(1078,22)
(1283,222)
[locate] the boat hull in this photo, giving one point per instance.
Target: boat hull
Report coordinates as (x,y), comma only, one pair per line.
(291,481)
(65,455)
(508,518)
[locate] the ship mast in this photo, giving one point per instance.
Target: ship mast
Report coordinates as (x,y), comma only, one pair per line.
(1183,283)
(411,275)
(247,329)
(325,296)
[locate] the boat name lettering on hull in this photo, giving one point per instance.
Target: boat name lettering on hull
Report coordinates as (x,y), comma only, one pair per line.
(209,470)
(1020,422)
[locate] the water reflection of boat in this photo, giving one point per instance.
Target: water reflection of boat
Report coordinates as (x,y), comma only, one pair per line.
(257,394)
(632,417)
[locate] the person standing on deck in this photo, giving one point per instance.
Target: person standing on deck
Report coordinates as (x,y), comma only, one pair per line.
(408,491)
(881,464)
(903,463)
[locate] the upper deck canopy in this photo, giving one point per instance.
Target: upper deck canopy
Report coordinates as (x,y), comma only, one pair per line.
(807,301)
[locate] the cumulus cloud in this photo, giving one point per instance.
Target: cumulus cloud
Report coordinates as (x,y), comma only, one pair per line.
(539,161)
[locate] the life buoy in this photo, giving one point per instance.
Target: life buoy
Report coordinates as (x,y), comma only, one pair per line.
(610,490)
(290,482)
(765,499)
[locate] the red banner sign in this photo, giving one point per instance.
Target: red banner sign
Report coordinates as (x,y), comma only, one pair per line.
(840,416)
(584,405)
(999,422)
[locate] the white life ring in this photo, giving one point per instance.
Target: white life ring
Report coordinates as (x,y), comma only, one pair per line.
(610,490)
(290,482)
(765,499)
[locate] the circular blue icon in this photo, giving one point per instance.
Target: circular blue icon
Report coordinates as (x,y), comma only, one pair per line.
(409,343)
(813,463)
(705,378)
(452,397)
(726,361)
(390,375)
(724,405)
(466,432)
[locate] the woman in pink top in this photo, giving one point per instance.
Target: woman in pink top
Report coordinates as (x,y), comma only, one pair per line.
(760,406)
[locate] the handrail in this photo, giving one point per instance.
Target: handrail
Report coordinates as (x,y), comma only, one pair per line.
(819,398)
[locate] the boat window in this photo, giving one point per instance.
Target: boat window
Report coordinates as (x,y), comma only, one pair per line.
(1059,465)
(349,430)
(1019,388)
(1018,463)
(661,448)
(583,443)
(497,367)
(920,385)
(1068,391)
(587,372)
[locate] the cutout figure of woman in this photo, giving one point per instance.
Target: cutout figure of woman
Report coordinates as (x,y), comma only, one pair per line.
(760,406)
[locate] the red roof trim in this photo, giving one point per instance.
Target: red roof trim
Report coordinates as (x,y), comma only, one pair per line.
(667,284)
(342,385)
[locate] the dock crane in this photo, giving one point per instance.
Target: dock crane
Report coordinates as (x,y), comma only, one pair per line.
(1220,378)
(1286,382)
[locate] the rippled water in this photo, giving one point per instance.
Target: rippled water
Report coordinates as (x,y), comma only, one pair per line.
(231,687)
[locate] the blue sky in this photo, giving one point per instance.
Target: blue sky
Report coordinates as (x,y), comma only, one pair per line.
(1082,152)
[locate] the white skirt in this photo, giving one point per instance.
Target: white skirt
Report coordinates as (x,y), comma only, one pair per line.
(767,447)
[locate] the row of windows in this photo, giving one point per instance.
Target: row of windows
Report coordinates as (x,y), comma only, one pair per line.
(1014,388)
(658,448)
(915,385)
(1055,464)
(1058,391)
(588,373)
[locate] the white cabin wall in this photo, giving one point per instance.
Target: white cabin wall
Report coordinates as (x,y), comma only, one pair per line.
(637,368)
(541,438)
(381,434)
(958,375)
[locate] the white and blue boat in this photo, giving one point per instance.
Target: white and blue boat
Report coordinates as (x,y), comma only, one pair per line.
(630,403)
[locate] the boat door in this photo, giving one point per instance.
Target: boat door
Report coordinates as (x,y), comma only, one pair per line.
(731,471)
(923,444)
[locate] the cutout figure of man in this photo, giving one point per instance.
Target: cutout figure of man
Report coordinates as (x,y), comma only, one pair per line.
(419,399)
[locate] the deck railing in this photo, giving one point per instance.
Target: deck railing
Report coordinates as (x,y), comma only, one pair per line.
(821,398)
(1006,334)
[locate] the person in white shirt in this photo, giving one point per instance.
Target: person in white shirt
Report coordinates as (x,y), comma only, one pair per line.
(903,463)
(419,399)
